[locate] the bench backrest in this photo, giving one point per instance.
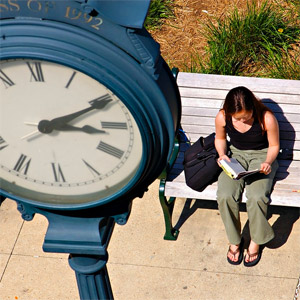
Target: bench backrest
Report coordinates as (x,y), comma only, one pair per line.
(203,95)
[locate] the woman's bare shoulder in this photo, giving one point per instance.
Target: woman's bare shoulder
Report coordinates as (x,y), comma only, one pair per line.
(220,118)
(269,118)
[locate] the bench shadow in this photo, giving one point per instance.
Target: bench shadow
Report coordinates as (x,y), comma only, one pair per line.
(189,209)
(287,215)
(282,227)
(286,145)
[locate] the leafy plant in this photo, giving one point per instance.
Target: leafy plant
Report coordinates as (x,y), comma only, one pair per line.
(284,65)
(159,10)
(243,43)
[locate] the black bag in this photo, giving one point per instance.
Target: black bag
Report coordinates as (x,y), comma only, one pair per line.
(200,163)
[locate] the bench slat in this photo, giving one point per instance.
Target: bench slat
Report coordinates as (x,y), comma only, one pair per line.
(289,178)
(215,103)
(206,120)
(209,81)
(178,189)
(284,163)
(292,171)
(212,112)
(208,94)
(206,130)
(284,144)
(210,192)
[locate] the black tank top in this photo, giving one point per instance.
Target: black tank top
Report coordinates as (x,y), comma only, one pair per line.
(253,139)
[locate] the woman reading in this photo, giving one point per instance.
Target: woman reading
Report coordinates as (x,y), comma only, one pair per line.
(254,141)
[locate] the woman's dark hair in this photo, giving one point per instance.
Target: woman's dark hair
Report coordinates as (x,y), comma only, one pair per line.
(241,98)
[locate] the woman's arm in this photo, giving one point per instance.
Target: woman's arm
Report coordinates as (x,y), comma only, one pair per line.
(220,139)
(272,129)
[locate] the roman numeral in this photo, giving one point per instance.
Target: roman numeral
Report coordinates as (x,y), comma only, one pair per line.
(114,125)
(36,71)
(92,170)
(70,80)
(22,164)
(57,172)
(6,80)
(110,150)
(3,143)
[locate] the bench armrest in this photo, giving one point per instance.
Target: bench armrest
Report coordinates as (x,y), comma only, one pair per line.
(172,159)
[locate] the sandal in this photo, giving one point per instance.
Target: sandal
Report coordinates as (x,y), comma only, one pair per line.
(241,255)
(255,261)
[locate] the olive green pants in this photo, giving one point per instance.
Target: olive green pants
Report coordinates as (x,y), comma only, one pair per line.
(258,188)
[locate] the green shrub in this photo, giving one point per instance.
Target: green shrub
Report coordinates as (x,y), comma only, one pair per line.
(243,43)
(158,11)
(284,65)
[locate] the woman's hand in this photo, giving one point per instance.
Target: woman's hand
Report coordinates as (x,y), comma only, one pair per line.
(225,157)
(265,168)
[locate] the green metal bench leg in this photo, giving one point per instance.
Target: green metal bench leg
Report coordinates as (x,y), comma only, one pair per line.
(167,207)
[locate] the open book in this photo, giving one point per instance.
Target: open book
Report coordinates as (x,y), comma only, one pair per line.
(234,169)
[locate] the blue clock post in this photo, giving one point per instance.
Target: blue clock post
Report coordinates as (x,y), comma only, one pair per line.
(89,112)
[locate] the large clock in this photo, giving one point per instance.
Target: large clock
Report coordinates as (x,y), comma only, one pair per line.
(65,137)
(89,109)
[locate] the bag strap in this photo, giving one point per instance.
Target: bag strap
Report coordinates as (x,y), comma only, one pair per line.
(209,141)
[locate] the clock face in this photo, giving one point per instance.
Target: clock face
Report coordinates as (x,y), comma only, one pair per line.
(64,137)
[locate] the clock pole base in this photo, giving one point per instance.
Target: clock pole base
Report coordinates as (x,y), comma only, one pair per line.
(92,276)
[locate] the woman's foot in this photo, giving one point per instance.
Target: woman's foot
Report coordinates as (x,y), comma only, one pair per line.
(253,255)
(235,253)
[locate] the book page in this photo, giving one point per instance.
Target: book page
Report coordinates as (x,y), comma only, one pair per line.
(235,170)
(234,167)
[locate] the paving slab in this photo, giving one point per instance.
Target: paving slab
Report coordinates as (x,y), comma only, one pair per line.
(147,283)
(38,278)
(4,258)
(10,226)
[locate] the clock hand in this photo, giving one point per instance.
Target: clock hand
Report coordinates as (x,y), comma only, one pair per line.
(46,126)
(30,134)
(31,123)
(86,129)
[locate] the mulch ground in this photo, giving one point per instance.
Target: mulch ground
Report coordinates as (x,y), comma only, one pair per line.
(183,36)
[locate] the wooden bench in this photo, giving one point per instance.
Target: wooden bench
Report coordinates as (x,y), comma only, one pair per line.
(202,96)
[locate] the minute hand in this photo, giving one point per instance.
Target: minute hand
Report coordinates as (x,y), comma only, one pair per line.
(99,103)
(46,126)
(61,121)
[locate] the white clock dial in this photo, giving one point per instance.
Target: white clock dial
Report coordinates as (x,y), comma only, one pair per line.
(64,137)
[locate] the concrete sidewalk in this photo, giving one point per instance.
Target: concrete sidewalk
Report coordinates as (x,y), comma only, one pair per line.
(144,266)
